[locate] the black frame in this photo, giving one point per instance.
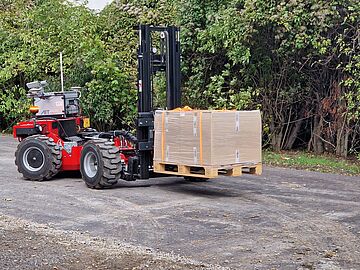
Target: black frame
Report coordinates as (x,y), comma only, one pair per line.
(149,63)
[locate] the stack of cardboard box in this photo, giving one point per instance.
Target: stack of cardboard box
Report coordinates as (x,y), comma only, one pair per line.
(208,138)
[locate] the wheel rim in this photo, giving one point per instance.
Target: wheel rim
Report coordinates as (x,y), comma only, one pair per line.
(90,164)
(33,159)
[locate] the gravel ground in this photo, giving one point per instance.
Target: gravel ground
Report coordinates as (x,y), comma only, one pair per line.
(284,219)
(27,245)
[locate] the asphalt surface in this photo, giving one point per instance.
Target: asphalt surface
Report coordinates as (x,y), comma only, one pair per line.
(284,219)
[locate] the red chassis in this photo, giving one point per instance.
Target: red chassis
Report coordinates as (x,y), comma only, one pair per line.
(56,129)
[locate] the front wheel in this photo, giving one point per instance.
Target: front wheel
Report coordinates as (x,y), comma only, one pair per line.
(100,164)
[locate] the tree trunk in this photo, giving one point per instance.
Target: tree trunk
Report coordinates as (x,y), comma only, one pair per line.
(318,144)
(293,135)
(276,134)
(276,140)
(342,142)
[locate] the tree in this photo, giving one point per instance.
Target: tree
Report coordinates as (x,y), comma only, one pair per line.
(297,61)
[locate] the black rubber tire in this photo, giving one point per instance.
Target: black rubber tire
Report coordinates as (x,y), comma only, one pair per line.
(195,179)
(108,164)
(50,156)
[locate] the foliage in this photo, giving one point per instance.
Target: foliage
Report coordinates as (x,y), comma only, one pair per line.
(297,61)
(13,105)
(106,98)
(36,32)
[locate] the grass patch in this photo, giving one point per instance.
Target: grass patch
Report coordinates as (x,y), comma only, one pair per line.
(312,162)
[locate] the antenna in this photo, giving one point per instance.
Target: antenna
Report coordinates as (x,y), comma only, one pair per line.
(61,72)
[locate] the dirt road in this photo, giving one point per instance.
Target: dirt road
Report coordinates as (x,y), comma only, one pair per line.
(285,219)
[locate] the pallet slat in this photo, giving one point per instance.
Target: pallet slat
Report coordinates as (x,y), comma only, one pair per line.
(206,171)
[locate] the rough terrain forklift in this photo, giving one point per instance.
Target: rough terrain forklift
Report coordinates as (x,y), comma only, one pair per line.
(58,138)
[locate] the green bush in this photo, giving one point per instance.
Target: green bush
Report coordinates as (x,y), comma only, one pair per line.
(13,107)
(297,61)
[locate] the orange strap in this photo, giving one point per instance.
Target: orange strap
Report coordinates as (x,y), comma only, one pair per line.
(201,139)
(163,136)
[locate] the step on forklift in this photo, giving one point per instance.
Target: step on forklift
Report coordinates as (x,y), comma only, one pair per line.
(58,138)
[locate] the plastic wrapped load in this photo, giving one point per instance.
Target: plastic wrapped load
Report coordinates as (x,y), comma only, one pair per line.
(208,137)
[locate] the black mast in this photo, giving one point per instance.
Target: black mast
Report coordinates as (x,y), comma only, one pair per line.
(150,62)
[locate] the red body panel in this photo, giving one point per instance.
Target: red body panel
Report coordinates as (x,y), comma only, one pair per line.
(71,161)
(46,125)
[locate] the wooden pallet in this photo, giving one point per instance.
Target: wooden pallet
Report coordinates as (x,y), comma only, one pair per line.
(206,171)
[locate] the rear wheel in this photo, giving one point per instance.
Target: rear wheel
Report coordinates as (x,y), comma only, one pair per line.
(38,158)
(100,164)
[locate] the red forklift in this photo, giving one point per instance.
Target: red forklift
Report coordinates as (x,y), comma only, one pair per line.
(58,138)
